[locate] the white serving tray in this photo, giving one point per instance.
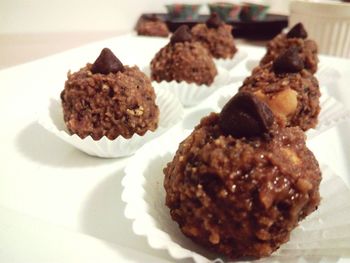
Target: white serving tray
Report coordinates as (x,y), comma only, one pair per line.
(45,178)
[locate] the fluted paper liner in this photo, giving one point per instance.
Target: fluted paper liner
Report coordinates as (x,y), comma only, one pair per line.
(324,233)
(171,112)
(190,94)
(230,63)
(332,113)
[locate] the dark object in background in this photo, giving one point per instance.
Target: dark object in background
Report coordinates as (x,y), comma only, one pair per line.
(183,11)
(225,11)
(254,30)
(253,12)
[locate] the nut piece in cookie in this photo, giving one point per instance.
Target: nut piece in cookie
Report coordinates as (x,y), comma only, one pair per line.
(291,91)
(241,196)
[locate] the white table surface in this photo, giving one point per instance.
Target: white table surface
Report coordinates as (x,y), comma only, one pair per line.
(47,186)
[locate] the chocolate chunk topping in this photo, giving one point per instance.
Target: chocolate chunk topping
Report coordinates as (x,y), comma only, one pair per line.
(182,34)
(214,21)
(297,31)
(245,115)
(288,62)
(106,63)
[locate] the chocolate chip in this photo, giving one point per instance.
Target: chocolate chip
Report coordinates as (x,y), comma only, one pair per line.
(245,115)
(106,63)
(214,21)
(297,31)
(182,34)
(288,62)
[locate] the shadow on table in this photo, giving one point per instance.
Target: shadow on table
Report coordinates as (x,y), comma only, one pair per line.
(103,217)
(39,145)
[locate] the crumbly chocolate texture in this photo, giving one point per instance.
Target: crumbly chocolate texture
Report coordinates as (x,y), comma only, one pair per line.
(239,197)
(293,97)
(152,27)
(112,105)
(184,61)
(307,50)
(219,41)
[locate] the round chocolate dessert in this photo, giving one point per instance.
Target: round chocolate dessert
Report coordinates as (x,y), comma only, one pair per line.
(109,99)
(239,184)
(297,36)
(216,36)
(291,91)
(183,60)
(151,25)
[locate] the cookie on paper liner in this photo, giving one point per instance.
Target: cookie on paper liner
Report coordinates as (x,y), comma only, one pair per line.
(230,63)
(325,233)
(171,112)
(332,113)
(191,94)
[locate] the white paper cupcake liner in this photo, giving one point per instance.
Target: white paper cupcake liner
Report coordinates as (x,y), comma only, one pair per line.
(171,112)
(332,113)
(327,76)
(229,64)
(326,232)
(190,94)
(251,64)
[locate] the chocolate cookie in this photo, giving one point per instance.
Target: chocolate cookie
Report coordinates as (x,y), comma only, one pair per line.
(296,37)
(241,196)
(216,36)
(183,60)
(109,99)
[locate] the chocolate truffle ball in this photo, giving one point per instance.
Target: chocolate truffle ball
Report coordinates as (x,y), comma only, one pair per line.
(297,36)
(152,26)
(183,60)
(292,92)
(241,196)
(109,99)
(216,36)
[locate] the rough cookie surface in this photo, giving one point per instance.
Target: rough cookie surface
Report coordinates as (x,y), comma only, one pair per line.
(240,197)
(152,28)
(219,41)
(184,61)
(112,105)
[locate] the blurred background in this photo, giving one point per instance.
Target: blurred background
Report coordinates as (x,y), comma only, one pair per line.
(31,29)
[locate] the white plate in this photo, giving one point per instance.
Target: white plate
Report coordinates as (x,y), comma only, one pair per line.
(191,94)
(56,183)
(230,64)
